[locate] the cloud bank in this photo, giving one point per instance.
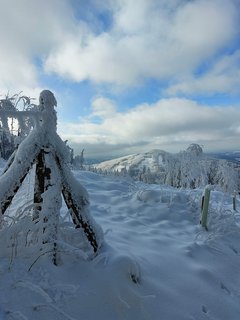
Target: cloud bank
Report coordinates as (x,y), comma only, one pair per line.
(189,48)
(143,39)
(149,39)
(29,30)
(170,124)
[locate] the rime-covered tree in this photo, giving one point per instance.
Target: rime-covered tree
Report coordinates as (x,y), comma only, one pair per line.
(14,125)
(78,161)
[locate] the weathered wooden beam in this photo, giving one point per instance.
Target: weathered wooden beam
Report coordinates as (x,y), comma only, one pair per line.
(77,219)
(7,200)
(17,169)
(47,200)
(51,204)
(39,184)
(76,205)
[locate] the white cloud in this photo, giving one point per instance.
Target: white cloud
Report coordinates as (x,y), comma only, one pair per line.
(170,123)
(165,39)
(103,108)
(222,77)
(148,39)
(28,31)
(16,71)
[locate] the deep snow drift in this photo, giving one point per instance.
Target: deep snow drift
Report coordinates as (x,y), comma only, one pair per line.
(157,262)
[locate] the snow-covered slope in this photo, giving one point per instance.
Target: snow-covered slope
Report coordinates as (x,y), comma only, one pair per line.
(157,261)
(189,169)
(231,156)
(153,159)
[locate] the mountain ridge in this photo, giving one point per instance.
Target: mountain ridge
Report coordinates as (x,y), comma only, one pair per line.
(190,168)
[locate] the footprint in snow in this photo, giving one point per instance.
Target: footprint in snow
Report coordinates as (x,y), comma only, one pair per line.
(223,287)
(234,250)
(204,309)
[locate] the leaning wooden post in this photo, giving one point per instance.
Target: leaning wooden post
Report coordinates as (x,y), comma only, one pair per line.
(39,185)
(234,200)
(205,204)
(51,205)
(47,191)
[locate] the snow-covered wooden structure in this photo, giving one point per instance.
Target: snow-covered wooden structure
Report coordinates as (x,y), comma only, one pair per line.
(44,148)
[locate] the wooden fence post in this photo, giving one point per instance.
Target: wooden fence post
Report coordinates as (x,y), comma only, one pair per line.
(234,200)
(205,205)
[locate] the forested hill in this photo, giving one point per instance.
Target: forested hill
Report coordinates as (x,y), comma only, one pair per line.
(190,168)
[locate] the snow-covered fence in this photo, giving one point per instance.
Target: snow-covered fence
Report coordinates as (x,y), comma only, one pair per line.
(44,148)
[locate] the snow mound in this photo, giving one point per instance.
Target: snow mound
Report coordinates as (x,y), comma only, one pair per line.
(149,195)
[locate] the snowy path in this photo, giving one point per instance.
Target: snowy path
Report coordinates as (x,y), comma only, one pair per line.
(157,261)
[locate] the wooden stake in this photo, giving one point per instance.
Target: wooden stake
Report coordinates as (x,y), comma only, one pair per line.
(205,208)
(75,206)
(39,184)
(234,201)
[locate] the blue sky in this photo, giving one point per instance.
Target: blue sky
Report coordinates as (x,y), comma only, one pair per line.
(128,75)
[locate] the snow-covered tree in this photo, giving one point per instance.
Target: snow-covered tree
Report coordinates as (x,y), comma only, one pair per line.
(14,125)
(78,161)
(192,171)
(227,176)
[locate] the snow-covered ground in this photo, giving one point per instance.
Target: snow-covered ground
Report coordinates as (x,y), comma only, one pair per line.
(157,262)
